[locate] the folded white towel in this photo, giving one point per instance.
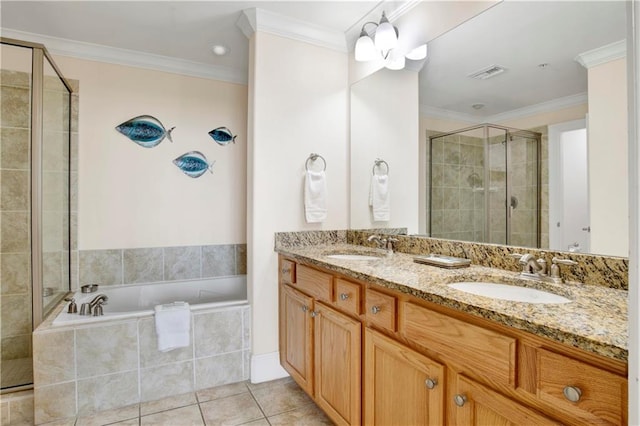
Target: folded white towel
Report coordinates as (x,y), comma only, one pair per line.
(379,198)
(173,325)
(315,196)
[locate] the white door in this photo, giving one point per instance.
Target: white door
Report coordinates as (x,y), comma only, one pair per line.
(568,187)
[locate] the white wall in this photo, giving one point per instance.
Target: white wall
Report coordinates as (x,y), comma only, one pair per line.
(130,196)
(608,154)
(384,124)
(298,105)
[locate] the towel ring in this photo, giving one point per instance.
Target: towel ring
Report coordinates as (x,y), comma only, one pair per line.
(379,163)
(314,157)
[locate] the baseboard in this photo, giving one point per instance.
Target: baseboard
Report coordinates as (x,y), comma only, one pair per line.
(266,367)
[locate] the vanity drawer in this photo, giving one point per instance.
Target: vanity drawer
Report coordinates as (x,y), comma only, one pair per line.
(314,283)
(348,296)
(287,271)
(598,396)
(381,310)
(484,351)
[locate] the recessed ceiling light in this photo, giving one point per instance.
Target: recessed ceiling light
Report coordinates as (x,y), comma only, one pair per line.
(477,106)
(220,50)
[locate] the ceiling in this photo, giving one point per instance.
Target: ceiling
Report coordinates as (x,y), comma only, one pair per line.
(518,35)
(178,29)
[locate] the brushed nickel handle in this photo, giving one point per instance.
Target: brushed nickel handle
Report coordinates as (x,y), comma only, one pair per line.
(375,309)
(344,296)
(460,400)
(572,393)
(314,314)
(430,383)
(285,271)
(304,308)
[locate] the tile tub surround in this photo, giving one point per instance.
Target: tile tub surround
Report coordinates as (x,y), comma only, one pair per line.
(147,265)
(16,408)
(595,320)
(83,369)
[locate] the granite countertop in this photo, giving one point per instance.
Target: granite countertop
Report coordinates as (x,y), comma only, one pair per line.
(595,320)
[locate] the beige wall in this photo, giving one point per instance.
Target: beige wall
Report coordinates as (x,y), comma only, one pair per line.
(298,104)
(384,123)
(608,158)
(130,196)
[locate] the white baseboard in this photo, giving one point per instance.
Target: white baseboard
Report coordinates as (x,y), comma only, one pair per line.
(266,367)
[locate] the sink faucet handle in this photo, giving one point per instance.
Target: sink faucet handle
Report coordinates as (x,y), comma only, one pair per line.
(555,269)
(516,255)
(559,261)
(390,243)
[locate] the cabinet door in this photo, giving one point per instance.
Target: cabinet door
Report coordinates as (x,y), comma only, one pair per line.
(296,336)
(401,386)
(478,405)
(337,346)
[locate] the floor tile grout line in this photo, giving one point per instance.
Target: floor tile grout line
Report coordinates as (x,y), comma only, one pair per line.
(264,415)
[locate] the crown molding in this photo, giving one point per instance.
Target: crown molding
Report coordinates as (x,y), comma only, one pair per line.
(255,19)
(549,106)
(603,54)
(132,58)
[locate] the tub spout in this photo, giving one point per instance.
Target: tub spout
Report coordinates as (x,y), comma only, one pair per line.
(99,299)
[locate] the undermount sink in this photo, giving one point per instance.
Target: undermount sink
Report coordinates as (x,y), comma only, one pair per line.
(353,257)
(509,292)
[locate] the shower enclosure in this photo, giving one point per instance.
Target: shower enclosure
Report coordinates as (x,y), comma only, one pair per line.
(484,185)
(35,137)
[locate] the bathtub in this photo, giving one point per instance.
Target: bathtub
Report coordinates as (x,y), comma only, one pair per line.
(87,364)
(136,300)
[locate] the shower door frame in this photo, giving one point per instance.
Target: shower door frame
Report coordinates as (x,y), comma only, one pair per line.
(509,131)
(38,55)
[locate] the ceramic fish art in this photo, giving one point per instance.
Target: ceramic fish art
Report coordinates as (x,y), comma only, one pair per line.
(145,130)
(193,164)
(222,136)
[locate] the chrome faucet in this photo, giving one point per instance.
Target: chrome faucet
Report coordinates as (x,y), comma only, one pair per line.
(385,243)
(96,304)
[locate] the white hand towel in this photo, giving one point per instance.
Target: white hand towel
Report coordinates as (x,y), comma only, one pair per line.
(315,196)
(173,325)
(379,198)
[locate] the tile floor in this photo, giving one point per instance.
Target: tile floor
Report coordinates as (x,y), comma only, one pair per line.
(280,402)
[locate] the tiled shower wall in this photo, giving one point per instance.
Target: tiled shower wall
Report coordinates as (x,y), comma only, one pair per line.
(148,265)
(458,194)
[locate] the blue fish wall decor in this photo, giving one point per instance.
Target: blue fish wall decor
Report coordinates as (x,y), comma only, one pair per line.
(223,136)
(193,164)
(145,130)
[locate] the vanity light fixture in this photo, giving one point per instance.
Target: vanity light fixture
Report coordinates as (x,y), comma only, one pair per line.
(384,40)
(382,45)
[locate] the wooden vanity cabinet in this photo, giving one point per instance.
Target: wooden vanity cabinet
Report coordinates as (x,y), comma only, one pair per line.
(320,347)
(371,355)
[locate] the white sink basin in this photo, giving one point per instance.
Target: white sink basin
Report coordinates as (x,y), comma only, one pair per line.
(509,292)
(353,257)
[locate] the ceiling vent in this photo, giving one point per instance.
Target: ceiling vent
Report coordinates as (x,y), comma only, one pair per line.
(487,72)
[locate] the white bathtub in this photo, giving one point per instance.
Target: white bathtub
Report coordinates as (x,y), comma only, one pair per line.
(135,300)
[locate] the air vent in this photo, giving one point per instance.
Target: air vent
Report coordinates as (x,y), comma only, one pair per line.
(488,72)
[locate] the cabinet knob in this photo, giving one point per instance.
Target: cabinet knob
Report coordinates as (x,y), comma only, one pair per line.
(431,383)
(375,309)
(314,314)
(304,308)
(572,393)
(460,400)
(286,271)
(344,296)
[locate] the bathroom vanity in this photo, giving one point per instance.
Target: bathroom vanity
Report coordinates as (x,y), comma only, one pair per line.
(387,341)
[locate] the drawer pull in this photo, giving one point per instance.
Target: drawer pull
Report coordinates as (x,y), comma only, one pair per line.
(314,314)
(460,400)
(431,383)
(375,309)
(286,271)
(304,308)
(572,393)
(344,296)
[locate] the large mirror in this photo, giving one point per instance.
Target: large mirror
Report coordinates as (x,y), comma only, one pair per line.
(556,69)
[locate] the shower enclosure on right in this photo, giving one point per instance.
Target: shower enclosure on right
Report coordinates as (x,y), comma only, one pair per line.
(485,185)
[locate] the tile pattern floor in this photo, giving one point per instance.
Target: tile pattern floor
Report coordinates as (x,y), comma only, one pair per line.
(279,402)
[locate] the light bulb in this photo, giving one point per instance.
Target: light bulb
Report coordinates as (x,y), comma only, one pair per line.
(394,63)
(365,50)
